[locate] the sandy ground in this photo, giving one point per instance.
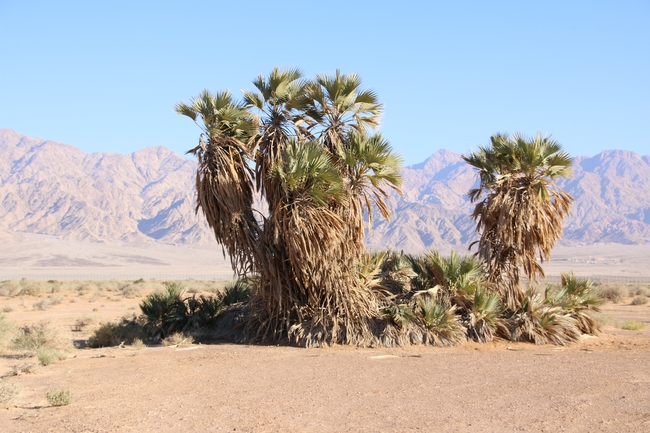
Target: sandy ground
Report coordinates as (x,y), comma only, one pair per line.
(598,384)
(46,257)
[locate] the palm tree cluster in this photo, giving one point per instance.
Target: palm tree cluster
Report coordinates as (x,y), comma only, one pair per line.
(308,151)
(308,148)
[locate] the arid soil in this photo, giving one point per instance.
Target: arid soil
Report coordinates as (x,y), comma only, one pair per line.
(45,257)
(599,384)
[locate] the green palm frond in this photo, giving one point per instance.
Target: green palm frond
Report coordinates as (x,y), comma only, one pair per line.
(373,167)
(399,315)
(221,115)
(339,105)
(484,322)
(307,171)
(280,90)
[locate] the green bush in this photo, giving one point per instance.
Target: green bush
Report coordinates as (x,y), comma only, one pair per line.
(400,315)
(59,397)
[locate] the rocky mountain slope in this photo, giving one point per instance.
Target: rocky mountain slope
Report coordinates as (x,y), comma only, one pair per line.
(55,189)
(147,196)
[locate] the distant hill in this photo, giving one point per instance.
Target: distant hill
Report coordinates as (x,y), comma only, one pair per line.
(148,196)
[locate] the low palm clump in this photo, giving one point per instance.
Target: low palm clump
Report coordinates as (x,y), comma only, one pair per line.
(448,300)
(170,312)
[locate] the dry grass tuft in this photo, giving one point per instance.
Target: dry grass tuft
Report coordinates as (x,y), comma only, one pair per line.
(177,339)
(47,356)
(25,367)
(633,325)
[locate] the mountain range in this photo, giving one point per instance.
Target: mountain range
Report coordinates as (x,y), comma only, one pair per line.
(148,197)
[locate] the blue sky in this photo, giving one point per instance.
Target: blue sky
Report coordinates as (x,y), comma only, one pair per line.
(104,76)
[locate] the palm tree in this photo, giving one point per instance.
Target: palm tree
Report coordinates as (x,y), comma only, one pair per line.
(519,209)
(318,172)
(223,180)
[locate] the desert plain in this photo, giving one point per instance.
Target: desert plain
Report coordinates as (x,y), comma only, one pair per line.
(599,384)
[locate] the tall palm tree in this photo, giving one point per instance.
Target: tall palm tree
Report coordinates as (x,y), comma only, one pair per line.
(519,208)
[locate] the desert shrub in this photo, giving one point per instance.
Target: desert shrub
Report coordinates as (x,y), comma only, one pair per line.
(47,356)
(126,331)
(633,325)
(31,338)
(8,308)
(177,339)
(9,288)
(46,303)
(59,397)
(42,305)
(640,300)
(642,291)
(131,291)
(611,293)
(137,344)
(82,323)
(8,393)
(95,297)
(54,286)
(29,289)
(139,281)
(86,287)
(108,286)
